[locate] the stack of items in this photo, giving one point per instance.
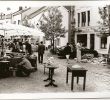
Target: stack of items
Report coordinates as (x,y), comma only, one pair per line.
(87,58)
(100,60)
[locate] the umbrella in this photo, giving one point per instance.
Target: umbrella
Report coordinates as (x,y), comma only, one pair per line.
(19,30)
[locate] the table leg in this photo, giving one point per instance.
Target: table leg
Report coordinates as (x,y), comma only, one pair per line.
(72,81)
(52,73)
(51,79)
(49,76)
(77,80)
(67,76)
(84,83)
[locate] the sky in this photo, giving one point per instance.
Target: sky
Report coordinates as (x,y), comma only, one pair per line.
(14,5)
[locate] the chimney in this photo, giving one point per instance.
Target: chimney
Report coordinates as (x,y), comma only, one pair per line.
(20,8)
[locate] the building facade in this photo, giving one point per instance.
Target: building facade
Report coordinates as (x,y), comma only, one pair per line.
(87,18)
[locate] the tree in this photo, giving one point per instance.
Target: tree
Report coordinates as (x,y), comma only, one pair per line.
(51,25)
(104,23)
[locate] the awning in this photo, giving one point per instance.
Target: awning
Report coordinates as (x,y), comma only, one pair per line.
(13,29)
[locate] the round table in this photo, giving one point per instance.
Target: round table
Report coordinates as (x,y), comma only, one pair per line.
(50,76)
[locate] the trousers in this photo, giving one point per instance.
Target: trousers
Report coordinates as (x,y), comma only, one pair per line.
(40,58)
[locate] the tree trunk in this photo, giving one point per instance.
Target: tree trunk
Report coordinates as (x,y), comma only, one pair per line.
(53,45)
(51,42)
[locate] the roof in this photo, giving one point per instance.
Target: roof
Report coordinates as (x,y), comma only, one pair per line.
(38,11)
(68,7)
(9,16)
(20,11)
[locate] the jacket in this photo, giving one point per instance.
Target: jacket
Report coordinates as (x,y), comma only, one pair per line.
(41,49)
(67,50)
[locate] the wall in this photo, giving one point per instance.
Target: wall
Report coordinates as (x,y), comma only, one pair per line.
(64,40)
(16,18)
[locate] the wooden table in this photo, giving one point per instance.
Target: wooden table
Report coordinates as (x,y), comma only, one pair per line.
(76,72)
(50,76)
(4,69)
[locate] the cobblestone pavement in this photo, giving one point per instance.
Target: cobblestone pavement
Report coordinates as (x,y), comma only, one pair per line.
(98,79)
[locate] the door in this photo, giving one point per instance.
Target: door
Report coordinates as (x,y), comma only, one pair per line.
(92,41)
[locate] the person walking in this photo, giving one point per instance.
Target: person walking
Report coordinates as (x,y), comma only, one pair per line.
(41,49)
(78,46)
(28,48)
(67,51)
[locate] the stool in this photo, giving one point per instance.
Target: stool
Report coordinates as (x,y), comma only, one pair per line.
(13,70)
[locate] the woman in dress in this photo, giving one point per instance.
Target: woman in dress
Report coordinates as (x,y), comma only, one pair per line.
(78,46)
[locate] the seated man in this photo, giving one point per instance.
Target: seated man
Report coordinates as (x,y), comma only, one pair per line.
(24,67)
(33,60)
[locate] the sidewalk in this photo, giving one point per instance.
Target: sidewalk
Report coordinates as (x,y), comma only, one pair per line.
(98,80)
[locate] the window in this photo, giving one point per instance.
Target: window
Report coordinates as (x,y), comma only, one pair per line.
(20,8)
(2,16)
(88,14)
(103,42)
(78,19)
(18,22)
(83,18)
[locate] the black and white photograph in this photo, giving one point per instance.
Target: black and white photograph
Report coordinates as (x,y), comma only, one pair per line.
(55,49)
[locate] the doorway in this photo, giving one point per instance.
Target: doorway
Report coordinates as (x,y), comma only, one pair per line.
(92,41)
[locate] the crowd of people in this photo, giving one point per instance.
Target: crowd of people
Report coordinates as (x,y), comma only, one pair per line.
(30,48)
(26,50)
(19,46)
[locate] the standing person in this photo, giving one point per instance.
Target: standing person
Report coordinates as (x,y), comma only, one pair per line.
(67,50)
(21,45)
(37,43)
(28,48)
(41,49)
(78,46)
(16,47)
(24,47)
